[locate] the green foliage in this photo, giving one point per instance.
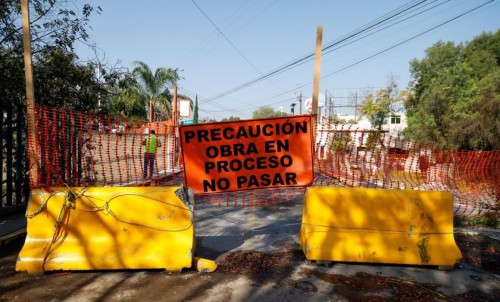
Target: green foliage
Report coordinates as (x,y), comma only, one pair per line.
(153,87)
(373,141)
(12,83)
(231,118)
(342,142)
(489,219)
(61,82)
(195,111)
(377,108)
(333,119)
(123,99)
(52,22)
(266,112)
(484,221)
(456,100)
(58,79)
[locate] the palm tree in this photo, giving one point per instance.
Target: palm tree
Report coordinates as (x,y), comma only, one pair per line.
(153,88)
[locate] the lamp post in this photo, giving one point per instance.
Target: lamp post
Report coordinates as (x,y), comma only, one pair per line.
(292,109)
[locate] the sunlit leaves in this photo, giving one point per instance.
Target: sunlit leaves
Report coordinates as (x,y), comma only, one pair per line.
(456,95)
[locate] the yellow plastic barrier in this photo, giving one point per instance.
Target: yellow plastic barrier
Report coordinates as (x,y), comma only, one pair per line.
(108,228)
(204,265)
(378,226)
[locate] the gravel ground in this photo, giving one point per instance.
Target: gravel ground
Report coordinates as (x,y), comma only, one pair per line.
(257,276)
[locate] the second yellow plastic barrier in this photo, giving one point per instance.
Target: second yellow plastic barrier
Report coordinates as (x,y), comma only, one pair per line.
(378,226)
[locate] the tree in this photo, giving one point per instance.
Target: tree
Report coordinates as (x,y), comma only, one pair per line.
(379,107)
(52,24)
(456,100)
(266,112)
(195,111)
(153,87)
(59,81)
(231,118)
(123,98)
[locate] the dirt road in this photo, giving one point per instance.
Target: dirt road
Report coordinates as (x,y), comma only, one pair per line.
(260,260)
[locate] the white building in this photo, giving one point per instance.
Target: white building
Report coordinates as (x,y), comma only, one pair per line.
(396,122)
(394,125)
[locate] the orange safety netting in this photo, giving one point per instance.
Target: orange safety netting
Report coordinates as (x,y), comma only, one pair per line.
(84,149)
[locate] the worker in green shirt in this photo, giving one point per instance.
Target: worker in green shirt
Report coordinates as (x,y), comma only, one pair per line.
(150,143)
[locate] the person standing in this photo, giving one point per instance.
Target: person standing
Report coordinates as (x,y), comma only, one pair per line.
(151,143)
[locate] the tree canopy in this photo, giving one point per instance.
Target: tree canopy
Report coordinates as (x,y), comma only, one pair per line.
(456,99)
(267,111)
(379,106)
(231,118)
(153,86)
(58,79)
(195,111)
(62,81)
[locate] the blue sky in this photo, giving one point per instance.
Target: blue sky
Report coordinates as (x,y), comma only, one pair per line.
(220,45)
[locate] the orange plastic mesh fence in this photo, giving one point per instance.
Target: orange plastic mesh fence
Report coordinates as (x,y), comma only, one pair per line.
(83,149)
(347,155)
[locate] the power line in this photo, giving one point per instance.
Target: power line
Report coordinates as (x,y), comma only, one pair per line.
(227,39)
(386,27)
(203,45)
(309,56)
(407,40)
(211,100)
(384,50)
(224,107)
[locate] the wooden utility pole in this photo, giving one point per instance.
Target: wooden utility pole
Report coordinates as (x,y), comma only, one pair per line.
(175,120)
(30,93)
(175,115)
(150,109)
(317,65)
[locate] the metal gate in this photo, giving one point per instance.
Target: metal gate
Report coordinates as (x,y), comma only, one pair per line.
(14,191)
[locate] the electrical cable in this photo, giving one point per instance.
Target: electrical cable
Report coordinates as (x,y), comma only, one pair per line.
(307,57)
(227,39)
(384,50)
(331,47)
(405,41)
(310,55)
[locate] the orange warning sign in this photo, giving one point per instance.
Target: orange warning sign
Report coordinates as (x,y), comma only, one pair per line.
(253,154)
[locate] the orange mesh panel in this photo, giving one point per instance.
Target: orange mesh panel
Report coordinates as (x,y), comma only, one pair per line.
(85,149)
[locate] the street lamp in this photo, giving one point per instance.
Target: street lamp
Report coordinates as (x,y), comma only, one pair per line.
(292,110)
(281,110)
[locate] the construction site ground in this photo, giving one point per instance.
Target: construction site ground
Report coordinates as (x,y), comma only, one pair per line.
(259,259)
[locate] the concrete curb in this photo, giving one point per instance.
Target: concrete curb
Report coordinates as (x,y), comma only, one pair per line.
(6,239)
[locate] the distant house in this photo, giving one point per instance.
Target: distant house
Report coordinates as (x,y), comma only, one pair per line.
(346,118)
(185,106)
(396,122)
